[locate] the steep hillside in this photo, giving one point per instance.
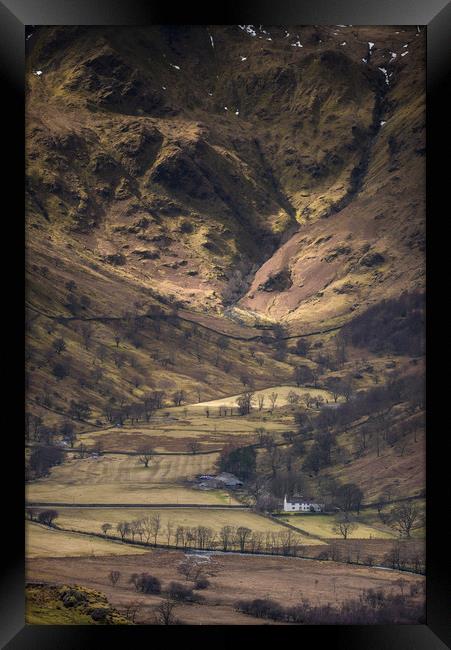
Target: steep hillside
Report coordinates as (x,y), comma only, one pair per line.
(201,161)
(192,189)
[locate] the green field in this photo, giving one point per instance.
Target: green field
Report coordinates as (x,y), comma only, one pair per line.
(42,541)
(90,520)
(322,525)
(122,479)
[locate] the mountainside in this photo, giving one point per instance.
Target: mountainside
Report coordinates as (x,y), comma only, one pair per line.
(225,315)
(267,174)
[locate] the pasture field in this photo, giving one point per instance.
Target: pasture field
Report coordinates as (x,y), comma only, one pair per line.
(283,579)
(282,398)
(42,541)
(322,525)
(360,550)
(371,516)
(91,519)
(114,479)
(182,425)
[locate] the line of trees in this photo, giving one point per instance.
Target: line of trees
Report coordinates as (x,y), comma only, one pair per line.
(371,608)
(150,530)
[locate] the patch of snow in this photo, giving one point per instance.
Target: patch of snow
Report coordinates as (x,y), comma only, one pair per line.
(211,94)
(287,34)
(382,122)
(164,87)
(243,58)
(393,56)
(225,108)
(341,25)
(364,61)
(297,44)
(212,41)
(344,43)
(404,53)
(37,73)
(406,45)
(177,67)
(249,29)
(370,45)
(237,112)
(385,73)
(269,39)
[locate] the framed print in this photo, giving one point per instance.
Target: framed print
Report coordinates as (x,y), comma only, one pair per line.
(225,323)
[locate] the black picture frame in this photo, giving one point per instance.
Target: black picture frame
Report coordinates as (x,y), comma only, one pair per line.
(14,16)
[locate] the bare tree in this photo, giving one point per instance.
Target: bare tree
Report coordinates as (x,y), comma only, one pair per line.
(244,402)
(344,525)
(194,446)
(227,537)
(123,528)
(179,397)
(155,526)
(165,612)
(145,455)
(260,401)
(273,399)
(132,610)
(47,517)
(405,518)
(117,336)
(169,531)
(105,528)
(243,535)
(113,577)
(86,334)
(158,397)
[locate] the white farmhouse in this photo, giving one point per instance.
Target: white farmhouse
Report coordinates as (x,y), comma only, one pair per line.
(305,505)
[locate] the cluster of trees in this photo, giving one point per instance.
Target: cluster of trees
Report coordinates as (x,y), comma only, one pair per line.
(396,326)
(380,424)
(371,608)
(400,556)
(46,517)
(241,461)
(174,592)
(42,459)
(37,430)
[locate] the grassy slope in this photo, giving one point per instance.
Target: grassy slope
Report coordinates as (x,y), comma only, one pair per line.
(47,542)
(45,607)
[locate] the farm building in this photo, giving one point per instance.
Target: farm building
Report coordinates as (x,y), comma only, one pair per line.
(225,479)
(301,505)
(229,480)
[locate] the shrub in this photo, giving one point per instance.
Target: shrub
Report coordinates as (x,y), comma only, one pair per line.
(73,597)
(149,584)
(100,613)
(181,592)
(47,517)
(202,583)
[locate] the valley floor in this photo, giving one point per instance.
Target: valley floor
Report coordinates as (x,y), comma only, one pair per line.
(286,580)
